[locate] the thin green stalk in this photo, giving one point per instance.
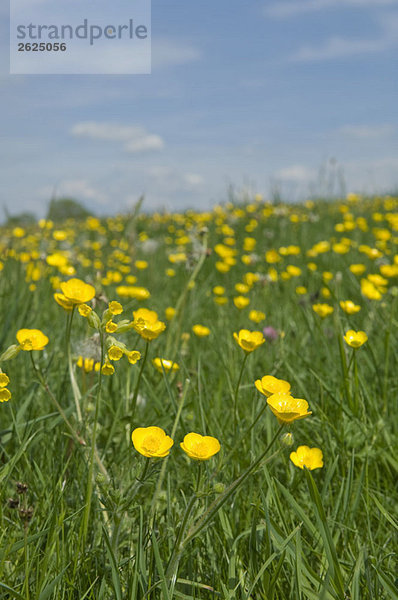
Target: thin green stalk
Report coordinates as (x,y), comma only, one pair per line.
(387,354)
(26,559)
(45,385)
(176,322)
(356,384)
(218,502)
(237,392)
(89,489)
(137,385)
(164,464)
(172,564)
(75,388)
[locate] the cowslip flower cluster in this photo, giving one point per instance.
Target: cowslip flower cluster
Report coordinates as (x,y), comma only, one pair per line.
(153,442)
(5,393)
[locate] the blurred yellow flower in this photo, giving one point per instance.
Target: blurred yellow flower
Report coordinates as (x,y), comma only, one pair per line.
(84,310)
(357,269)
(170,312)
(219,290)
(4,380)
(31,339)
(241,302)
(301,290)
(151,442)
(200,447)
(256,316)
(288,409)
(312,458)
(115,308)
(355,339)
(249,340)
(322,310)
(5,394)
(269,385)
(168,365)
(201,330)
(133,356)
(77,291)
(349,307)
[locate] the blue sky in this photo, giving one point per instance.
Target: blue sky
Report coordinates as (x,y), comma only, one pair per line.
(259,95)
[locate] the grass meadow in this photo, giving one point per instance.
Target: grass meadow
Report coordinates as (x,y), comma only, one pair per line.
(87,514)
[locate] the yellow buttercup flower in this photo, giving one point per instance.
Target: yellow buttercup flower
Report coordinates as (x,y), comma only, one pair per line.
(63,301)
(147,324)
(31,339)
(312,458)
(200,447)
(349,307)
(241,302)
(201,330)
(249,340)
(256,316)
(168,365)
(355,339)
(269,385)
(77,291)
(288,409)
(322,310)
(151,442)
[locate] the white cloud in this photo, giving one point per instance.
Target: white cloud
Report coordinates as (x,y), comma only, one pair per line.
(134,138)
(168,53)
(337,47)
(193,179)
(295,173)
(367,132)
(79,189)
(284,10)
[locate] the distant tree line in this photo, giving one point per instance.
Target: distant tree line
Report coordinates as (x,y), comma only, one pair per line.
(59,209)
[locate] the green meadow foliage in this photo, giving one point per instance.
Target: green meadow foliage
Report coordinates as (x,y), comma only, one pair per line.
(201,404)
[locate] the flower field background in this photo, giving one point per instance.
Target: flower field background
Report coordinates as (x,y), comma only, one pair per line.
(253,352)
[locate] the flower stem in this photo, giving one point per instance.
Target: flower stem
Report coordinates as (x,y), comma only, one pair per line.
(137,385)
(75,387)
(89,489)
(237,392)
(45,385)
